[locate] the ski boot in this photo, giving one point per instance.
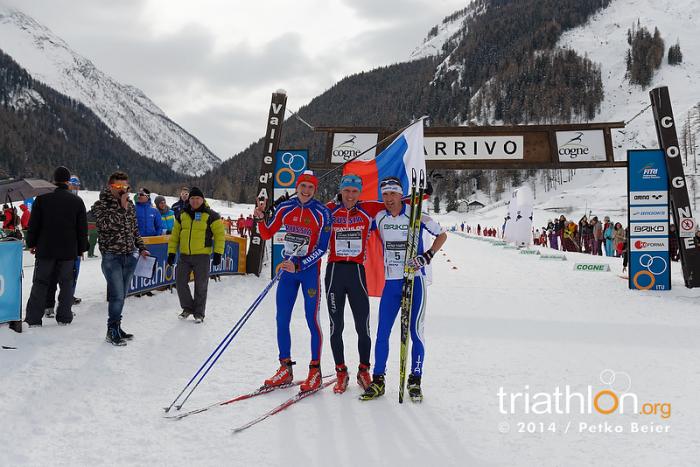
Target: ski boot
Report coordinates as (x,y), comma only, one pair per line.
(313,381)
(363,377)
(113,336)
(341,383)
(374,390)
(284,375)
(414,391)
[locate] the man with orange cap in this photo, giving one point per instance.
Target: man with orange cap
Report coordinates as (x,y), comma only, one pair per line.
(308,227)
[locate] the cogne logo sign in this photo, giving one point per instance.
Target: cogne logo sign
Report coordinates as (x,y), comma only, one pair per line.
(580,146)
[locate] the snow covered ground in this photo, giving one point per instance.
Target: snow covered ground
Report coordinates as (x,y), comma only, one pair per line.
(495,319)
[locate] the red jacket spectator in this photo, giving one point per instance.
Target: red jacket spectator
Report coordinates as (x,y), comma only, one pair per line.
(24,221)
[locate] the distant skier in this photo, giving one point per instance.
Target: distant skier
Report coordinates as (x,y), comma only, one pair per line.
(392,224)
(308,227)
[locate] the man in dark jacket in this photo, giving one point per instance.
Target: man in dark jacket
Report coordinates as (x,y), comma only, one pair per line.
(120,246)
(57,235)
(182,203)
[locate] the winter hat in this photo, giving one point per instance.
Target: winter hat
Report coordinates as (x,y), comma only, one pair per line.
(308,176)
(194,191)
(61,175)
(74,181)
(159,199)
(350,181)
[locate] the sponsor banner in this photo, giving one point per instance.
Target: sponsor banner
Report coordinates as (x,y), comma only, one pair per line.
(289,164)
(347,146)
(646,171)
(646,244)
(648,213)
(649,198)
(644,229)
(581,146)
(650,270)
(593,267)
(232,262)
(10,281)
(473,147)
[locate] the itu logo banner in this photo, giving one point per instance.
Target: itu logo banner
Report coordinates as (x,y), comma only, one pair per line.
(289,164)
(649,266)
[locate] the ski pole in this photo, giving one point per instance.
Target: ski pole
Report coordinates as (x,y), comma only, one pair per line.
(226,341)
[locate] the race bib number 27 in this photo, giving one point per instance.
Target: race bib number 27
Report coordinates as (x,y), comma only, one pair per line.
(292,242)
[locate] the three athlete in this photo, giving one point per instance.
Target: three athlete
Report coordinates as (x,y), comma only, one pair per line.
(343,226)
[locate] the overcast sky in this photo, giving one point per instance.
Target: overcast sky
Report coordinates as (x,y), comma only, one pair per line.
(212,65)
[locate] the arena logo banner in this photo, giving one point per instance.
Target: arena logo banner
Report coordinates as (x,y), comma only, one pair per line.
(473,147)
(265,183)
(581,146)
(680,201)
(10,281)
(289,164)
(347,146)
(232,262)
(649,261)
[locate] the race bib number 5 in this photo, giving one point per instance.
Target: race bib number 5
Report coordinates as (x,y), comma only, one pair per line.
(292,241)
(348,242)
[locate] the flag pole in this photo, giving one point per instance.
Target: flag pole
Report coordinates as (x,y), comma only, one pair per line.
(391,136)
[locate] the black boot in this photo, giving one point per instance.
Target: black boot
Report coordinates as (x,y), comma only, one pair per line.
(414,390)
(123,334)
(113,335)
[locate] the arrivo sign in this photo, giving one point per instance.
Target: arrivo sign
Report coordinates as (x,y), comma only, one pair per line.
(473,147)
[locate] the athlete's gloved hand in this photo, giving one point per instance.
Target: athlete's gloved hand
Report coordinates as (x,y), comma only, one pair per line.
(216,259)
(428,188)
(421,261)
(171,259)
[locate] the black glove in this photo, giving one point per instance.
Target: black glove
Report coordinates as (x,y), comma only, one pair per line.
(171,258)
(421,260)
(338,199)
(216,259)
(428,188)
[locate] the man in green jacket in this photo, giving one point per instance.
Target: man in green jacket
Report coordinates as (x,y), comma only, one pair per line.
(197,228)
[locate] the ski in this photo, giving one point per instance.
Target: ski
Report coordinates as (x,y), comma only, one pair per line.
(417,188)
(258,392)
(291,401)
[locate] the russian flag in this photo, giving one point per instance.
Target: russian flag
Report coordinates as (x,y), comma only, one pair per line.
(404,154)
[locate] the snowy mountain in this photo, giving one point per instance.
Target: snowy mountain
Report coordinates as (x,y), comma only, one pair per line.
(124,109)
(603,39)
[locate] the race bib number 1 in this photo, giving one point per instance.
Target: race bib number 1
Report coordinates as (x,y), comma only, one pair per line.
(292,240)
(348,242)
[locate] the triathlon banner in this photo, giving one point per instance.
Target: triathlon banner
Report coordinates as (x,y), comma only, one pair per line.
(270,145)
(289,164)
(679,199)
(10,281)
(233,261)
(648,249)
